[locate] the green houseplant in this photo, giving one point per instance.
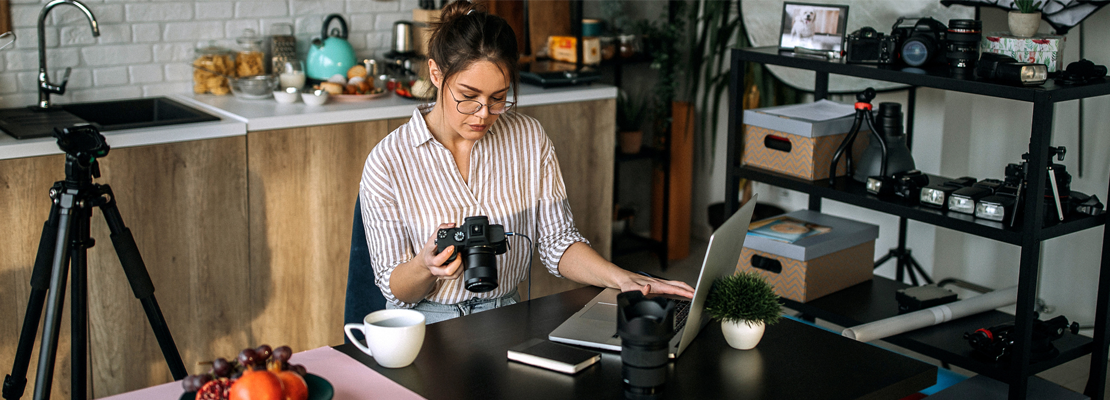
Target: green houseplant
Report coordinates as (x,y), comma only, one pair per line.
(1025,21)
(745,304)
(631,112)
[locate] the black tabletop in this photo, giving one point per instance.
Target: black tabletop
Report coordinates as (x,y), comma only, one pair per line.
(465,358)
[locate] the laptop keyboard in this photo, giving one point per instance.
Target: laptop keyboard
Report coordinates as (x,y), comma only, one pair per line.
(681,312)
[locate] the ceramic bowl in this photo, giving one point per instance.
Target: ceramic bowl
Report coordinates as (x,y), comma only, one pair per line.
(315,97)
(287,96)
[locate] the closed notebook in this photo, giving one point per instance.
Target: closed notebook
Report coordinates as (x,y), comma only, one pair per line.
(553,356)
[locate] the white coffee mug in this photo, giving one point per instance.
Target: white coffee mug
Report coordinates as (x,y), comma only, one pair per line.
(393,337)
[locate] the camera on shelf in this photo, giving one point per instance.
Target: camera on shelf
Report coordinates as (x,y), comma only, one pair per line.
(904,184)
(936,195)
(868,46)
(924,41)
(480,242)
(963,200)
(996,343)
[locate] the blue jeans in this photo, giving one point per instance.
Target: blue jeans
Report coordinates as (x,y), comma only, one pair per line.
(435,312)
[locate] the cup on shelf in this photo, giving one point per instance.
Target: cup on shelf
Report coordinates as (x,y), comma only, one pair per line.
(291,73)
(393,337)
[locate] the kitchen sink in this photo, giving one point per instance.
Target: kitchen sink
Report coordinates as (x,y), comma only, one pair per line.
(31,122)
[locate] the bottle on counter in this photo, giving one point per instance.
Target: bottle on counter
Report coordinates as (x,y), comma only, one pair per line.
(210,62)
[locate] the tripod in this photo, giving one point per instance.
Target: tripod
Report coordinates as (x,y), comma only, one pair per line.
(905,263)
(64,244)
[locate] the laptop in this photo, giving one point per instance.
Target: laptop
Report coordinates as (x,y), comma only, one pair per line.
(595,325)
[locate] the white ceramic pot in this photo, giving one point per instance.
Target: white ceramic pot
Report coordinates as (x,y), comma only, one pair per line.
(742,335)
(1024,24)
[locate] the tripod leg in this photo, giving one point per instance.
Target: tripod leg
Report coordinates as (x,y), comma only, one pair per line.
(141,284)
(919,270)
(16,382)
(78,308)
(49,346)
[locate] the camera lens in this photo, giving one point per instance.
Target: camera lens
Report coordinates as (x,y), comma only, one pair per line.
(963,42)
(917,51)
(480,269)
(645,327)
(890,119)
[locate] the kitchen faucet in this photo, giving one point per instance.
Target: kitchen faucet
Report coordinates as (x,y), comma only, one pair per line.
(45,87)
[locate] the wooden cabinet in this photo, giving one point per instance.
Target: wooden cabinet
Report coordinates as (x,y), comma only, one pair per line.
(185,204)
(246,240)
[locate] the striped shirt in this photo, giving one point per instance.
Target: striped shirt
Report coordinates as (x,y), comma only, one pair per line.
(411,184)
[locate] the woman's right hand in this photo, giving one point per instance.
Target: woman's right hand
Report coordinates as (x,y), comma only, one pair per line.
(437,264)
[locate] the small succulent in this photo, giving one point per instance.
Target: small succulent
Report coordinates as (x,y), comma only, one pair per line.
(1027,6)
(745,296)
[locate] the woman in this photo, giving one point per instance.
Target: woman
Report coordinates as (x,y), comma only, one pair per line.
(467,155)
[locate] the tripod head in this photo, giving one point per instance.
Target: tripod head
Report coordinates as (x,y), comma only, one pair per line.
(866,96)
(83,144)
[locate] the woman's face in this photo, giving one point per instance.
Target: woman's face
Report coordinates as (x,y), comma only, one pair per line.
(482,81)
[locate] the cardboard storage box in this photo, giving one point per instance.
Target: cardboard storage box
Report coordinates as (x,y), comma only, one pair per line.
(1039,49)
(832,253)
(800,140)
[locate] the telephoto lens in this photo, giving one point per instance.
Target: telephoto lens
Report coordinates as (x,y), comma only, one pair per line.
(645,326)
(963,42)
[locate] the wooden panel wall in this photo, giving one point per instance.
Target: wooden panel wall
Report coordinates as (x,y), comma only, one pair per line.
(303,184)
(584,139)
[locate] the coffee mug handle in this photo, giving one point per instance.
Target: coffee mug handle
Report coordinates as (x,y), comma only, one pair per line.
(347,328)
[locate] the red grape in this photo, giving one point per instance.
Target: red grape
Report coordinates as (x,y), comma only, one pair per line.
(247,357)
(283,353)
(263,352)
(221,367)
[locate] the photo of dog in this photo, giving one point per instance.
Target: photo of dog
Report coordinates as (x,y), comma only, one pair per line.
(802,23)
(813,26)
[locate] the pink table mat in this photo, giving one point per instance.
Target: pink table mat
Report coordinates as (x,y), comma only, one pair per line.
(350,378)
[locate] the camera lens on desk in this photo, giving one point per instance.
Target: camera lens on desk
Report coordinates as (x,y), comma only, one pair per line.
(645,327)
(963,42)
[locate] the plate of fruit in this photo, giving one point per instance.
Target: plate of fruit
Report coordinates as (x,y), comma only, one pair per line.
(259,373)
(356,86)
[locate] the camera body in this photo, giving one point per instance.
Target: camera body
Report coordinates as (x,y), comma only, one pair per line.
(925,41)
(868,46)
(479,242)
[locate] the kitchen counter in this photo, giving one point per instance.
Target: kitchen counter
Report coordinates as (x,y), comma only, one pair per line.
(240,116)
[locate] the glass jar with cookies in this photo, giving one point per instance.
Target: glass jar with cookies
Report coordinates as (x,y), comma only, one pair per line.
(212,65)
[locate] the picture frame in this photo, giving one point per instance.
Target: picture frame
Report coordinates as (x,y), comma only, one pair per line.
(817,27)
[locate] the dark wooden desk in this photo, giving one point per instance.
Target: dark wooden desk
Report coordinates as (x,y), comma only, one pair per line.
(465,358)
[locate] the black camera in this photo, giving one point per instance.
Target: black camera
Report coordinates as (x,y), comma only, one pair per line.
(996,343)
(868,46)
(480,242)
(925,40)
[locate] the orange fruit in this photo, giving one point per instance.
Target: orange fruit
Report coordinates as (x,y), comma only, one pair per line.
(294,385)
(256,385)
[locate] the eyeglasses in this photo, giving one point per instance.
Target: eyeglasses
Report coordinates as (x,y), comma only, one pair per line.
(473,106)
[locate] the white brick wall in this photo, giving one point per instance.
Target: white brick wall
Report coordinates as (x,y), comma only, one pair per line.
(145,46)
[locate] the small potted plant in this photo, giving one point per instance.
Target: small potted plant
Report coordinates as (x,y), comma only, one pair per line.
(630,120)
(745,304)
(1025,21)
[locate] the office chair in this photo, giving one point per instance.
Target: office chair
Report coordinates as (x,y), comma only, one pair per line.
(363,295)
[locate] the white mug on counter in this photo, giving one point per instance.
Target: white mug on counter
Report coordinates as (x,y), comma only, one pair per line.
(393,337)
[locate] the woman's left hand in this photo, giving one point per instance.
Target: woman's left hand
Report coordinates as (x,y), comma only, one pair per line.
(648,285)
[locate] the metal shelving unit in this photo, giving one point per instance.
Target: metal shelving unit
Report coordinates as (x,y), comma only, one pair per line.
(873,300)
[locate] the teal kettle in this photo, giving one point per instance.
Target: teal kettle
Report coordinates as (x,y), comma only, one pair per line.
(330,54)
